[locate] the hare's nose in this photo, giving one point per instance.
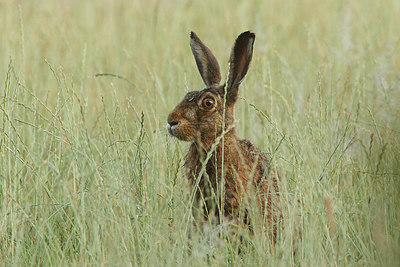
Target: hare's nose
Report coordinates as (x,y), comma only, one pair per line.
(173,123)
(171,126)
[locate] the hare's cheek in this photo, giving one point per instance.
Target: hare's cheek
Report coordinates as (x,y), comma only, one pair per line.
(190,115)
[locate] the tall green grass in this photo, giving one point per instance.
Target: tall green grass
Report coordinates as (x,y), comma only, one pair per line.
(89,176)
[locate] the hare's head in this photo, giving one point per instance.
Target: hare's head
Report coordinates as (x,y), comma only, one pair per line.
(199,116)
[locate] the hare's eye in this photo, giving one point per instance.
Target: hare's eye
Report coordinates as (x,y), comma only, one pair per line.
(208,103)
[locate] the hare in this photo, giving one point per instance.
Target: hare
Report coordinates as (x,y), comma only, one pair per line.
(206,119)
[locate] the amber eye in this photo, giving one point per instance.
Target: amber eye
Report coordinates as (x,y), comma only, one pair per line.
(208,103)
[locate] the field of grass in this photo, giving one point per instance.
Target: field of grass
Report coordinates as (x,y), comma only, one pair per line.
(89,176)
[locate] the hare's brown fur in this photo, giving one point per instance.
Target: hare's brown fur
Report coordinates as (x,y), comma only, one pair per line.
(248,176)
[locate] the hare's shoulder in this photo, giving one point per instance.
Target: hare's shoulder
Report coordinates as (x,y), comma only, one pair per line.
(264,167)
(248,148)
(253,153)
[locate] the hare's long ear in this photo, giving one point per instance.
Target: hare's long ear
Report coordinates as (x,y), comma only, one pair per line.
(239,62)
(206,61)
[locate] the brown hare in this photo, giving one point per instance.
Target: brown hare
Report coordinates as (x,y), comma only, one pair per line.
(217,156)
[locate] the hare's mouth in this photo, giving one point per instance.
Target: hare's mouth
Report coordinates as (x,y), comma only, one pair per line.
(180,131)
(170,129)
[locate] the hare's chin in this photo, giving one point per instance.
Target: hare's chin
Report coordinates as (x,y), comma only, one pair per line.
(172,131)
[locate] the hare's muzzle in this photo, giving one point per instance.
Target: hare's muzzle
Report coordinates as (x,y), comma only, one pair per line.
(171,127)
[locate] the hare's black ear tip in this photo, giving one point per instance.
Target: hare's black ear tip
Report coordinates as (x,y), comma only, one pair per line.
(247,34)
(193,35)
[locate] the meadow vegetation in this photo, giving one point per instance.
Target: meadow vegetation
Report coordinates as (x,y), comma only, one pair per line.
(89,176)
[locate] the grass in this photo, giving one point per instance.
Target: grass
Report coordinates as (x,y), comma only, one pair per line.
(89,176)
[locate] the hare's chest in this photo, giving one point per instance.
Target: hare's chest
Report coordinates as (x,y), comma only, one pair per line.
(210,182)
(203,174)
(212,176)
